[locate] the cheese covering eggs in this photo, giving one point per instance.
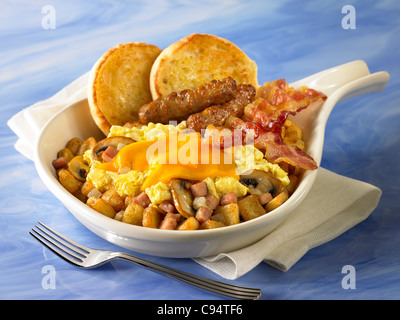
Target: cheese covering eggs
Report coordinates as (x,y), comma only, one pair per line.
(183,155)
(163,152)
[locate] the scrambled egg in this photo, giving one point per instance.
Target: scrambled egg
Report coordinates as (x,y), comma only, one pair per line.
(211,187)
(101,179)
(226,185)
(129,183)
(247,158)
(158,193)
(148,132)
(126,184)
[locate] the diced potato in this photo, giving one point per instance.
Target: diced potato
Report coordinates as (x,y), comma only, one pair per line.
(250,208)
(74,145)
(128,200)
(133,214)
(78,194)
(86,145)
(297,171)
(113,199)
(211,224)
(230,213)
(277,201)
(66,154)
(291,187)
(284,166)
(119,215)
(218,217)
(101,206)
(87,187)
(190,223)
(68,181)
(152,217)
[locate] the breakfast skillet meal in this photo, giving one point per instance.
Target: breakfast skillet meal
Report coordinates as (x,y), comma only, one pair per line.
(192,141)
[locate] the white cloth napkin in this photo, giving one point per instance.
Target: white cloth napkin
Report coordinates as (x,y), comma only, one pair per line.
(27,123)
(334,204)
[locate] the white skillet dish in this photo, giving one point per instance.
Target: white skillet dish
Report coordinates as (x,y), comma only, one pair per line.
(338,83)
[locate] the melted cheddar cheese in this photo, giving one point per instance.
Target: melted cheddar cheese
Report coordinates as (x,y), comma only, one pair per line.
(184,156)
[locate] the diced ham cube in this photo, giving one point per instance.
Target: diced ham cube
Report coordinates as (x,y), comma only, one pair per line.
(167,206)
(109,154)
(142,199)
(212,202)
(59,163)
(228,198)
(199,189)
(265,198)
(170,221)
(203,214)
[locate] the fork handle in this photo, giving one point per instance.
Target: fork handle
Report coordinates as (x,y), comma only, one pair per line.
(233,291)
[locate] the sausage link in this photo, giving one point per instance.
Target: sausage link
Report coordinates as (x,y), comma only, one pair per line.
(178,106)
(217,115)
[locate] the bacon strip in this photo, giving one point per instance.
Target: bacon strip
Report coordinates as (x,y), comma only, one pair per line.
(276,100)
(269,141)
(272,143)
(264,118)
(268,115)
(276,151)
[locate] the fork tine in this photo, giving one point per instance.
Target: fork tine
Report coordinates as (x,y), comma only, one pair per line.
(85,249)
(48,245)
(58,246)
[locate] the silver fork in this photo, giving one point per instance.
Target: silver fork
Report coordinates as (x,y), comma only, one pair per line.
(85,257)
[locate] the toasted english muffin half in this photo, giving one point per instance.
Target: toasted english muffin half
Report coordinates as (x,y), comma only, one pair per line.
(198,59)
(119,84)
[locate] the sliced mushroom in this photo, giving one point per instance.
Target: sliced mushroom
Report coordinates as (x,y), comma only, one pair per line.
(260,182)
(79,168)
(116,142)
(182,197)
